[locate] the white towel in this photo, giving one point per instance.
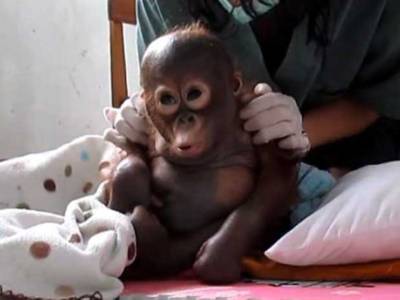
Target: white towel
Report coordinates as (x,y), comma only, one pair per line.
(46,253)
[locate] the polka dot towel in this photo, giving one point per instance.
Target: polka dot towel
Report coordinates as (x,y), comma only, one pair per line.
(48,181)
(55,247)
(48,256)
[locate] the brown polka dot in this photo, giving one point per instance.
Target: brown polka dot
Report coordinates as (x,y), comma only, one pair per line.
(64,291)
(104,164)
(49,185)
(19,188)
(131,251)
(74,239)
(68,171)
(87,187)
(22,205)
(40,250)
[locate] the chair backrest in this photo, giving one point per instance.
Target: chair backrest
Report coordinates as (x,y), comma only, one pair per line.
(119,12)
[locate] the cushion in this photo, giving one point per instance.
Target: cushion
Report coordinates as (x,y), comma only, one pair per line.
(359,221)
(264,268)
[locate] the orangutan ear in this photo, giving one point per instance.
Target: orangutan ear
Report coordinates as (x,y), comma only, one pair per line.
(237,83)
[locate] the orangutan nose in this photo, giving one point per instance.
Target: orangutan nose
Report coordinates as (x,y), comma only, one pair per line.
(187,119)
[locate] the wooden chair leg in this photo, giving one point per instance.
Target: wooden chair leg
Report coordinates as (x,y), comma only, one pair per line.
(119,88)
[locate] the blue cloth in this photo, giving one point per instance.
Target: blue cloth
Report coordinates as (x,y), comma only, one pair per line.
(313,185)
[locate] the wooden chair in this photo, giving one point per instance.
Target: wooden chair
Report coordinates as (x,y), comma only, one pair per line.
(119,12)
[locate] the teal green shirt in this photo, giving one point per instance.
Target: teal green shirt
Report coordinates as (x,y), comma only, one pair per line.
(362,60)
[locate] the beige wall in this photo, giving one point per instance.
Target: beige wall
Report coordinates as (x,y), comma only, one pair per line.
(54,72)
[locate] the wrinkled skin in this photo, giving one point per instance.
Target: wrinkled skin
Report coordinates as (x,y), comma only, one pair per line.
(197,198)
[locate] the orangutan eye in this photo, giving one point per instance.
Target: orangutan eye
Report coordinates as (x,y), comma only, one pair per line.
(198,94)
(193,94)
(167,99)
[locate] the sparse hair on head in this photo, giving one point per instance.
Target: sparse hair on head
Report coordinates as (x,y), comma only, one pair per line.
(185,43)
(192,29)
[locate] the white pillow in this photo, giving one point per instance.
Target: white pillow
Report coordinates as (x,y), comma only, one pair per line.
(358,222)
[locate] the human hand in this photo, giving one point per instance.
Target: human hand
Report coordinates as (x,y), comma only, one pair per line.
(276,117)
(128,123)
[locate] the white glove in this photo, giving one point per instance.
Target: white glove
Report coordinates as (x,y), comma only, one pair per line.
(128,122)
(274,116)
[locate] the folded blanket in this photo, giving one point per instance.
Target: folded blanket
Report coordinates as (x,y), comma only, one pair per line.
(45,255)
(55,248)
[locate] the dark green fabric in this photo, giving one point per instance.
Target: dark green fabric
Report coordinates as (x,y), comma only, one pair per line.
(363,59)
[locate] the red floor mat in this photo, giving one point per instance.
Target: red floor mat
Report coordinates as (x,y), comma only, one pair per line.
(261,290)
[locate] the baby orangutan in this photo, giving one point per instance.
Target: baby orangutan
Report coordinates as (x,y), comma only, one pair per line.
(193,192)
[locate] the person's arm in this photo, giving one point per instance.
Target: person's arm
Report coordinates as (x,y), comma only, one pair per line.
(337,120)
(374,91)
